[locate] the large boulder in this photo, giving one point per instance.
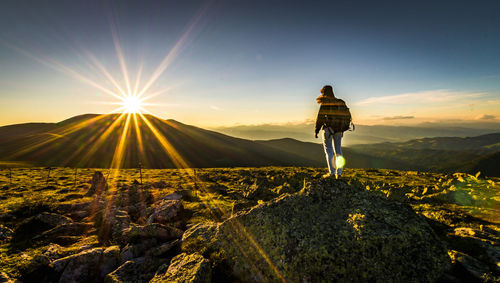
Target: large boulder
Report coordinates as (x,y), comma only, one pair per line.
(186,268)
(330,231)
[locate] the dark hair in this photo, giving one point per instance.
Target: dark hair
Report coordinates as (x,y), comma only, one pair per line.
(327,90)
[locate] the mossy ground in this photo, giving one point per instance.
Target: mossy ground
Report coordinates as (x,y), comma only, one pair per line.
(463,209)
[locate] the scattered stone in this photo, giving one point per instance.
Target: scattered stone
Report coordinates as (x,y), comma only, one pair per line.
(98,184)
(172,196)
(156,231)
(70,229)
(163,249)
(168,212)
(140,269)
(186,268)
(88,266)
(53,252)
(36,224)
(38,270)
(110,260)
(5,234)
(476,268)
(131,251)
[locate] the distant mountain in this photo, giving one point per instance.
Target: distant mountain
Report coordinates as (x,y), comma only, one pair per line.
(448,154)
(487,165)
(362,135)
(315,152)
(90,141)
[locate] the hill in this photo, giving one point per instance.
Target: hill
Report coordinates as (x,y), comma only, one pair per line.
(92,141)
(315,152)
(442,154)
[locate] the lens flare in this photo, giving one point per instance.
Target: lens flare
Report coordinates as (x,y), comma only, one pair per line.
(340,161)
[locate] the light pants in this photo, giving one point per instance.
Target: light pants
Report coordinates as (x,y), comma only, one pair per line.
(332,146)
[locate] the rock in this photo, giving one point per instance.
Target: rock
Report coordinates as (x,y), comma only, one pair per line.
(98,184)
(61,231)
(474,267)
(172,196)
(156,231)
(131,251)
(110,260)
(140,269)
(198,237)
(328,231)
(38,270)
(110,224)
(186,268)
(88,266)
(5,234)
(134,199)
(163,249)
(168,212)
(39,223)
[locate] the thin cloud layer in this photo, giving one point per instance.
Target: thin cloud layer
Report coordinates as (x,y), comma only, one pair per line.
(398,118)
(431,96)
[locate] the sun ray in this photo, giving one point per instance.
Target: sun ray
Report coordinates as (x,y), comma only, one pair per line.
(173,53)
(57,66)
(139,136)
(118,155)
(121,57)
(106,73)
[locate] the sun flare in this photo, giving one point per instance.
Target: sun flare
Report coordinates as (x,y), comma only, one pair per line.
(132,104)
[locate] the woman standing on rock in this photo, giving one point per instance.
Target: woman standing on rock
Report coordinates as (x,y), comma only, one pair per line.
(334,119)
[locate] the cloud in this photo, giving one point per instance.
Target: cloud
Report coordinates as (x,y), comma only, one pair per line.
(485,117)
(431,96)
(398,117)
(215,107)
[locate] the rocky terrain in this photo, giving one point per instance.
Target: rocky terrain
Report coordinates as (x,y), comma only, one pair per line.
(247,224)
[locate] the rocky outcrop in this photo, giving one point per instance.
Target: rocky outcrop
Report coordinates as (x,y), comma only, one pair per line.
(329,231)
(186,268)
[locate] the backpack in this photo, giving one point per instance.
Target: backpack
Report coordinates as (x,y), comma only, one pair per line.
(339,117)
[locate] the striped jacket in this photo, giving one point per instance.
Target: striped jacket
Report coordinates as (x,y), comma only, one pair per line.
(330,109)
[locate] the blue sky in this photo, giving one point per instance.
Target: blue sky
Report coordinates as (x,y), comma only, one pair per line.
(251,62)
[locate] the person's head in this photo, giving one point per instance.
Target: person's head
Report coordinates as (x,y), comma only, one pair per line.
(327,90)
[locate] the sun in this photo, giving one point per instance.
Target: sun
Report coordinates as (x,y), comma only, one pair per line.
(132,104)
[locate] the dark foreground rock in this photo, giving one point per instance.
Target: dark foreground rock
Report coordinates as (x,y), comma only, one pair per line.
(186,268)
(330,231)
